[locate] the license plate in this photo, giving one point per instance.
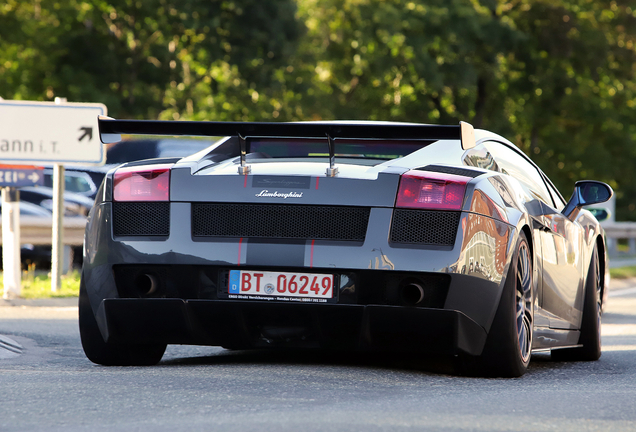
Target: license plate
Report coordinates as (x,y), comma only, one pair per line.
(256,284)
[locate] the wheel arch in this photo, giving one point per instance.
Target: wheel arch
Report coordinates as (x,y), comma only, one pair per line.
(526,229)
(602,256)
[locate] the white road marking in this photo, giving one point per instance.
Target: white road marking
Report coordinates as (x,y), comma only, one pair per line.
(622,292)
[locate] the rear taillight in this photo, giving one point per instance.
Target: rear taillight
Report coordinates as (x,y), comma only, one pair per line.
(431,190)
(142,183)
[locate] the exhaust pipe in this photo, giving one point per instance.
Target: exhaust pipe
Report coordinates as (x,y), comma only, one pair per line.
(147,284)
(412,294)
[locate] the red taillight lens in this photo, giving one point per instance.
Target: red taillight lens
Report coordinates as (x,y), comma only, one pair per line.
(431,190)
(142,183)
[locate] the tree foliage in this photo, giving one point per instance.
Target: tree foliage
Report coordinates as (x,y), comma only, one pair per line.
(144,58)
(557,77)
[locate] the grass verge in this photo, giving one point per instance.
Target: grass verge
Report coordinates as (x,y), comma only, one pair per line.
(623,272)
(37,284)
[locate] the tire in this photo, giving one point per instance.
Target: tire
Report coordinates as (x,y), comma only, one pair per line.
(110,354)
(508,346)
(591,322)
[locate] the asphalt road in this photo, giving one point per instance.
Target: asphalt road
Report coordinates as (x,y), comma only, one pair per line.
(51,386)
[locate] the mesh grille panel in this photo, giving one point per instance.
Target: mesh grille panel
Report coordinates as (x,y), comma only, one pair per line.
(141,219)
(279,221)
(425,227)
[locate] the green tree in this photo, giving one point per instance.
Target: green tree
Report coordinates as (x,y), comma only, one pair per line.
(569,91)
(427,61)
(142,58)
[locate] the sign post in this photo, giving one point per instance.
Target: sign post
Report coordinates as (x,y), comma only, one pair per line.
(57,228)
(53,133)
(11,242)
(57,242)
(11,177)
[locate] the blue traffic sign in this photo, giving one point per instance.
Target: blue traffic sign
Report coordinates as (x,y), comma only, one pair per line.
(18,176)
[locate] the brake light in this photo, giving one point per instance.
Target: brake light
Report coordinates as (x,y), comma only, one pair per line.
(142,183)
(431,190)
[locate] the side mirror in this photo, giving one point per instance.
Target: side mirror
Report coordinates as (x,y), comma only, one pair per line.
(586,192)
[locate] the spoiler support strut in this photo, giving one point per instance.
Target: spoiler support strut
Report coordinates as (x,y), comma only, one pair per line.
(333,169)
(244,168)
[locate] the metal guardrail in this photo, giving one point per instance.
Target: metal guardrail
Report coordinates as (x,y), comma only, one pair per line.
(37,230)
(616,231)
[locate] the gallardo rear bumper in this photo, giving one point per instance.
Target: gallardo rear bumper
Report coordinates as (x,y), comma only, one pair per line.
(247,324)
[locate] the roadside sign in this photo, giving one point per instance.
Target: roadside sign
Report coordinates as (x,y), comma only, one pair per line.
(46,132)
(20,175)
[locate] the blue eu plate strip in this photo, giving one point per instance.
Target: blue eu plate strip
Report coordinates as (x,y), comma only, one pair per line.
(235,279)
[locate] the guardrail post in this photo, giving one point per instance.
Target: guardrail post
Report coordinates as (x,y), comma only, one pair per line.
(12,276)
(612,246)
(614,231)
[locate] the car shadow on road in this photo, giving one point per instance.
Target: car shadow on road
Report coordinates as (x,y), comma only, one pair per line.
(540,364)
(396,361)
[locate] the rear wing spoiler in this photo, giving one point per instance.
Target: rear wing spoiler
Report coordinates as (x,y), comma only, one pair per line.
(110,131)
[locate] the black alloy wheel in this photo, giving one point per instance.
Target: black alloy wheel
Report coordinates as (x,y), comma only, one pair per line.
(524,313)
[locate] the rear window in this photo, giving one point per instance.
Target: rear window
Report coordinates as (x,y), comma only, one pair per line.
(128,151)
(134,150)
(344,148)
(181,148)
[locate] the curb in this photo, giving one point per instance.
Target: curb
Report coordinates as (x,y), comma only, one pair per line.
(45,302)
